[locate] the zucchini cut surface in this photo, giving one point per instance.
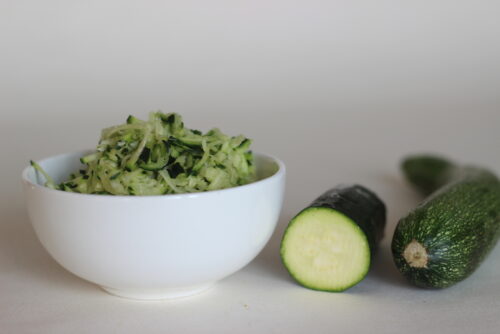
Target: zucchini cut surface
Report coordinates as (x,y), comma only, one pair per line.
(325,250)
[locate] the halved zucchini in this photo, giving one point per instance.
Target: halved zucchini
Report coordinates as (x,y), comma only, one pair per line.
(329,245)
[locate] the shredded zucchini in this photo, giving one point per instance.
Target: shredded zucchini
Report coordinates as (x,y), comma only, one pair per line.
(160,156)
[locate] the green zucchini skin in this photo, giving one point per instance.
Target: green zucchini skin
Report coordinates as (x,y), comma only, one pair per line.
(428,173)
(360,204)
(454,229)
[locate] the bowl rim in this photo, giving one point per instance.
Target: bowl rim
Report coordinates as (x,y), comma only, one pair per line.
(278,174)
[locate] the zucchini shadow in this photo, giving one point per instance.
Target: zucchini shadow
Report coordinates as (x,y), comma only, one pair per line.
(383,270)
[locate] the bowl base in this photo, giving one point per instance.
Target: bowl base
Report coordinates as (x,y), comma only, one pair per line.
(159,294)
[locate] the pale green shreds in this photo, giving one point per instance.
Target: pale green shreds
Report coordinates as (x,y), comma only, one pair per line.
(161,156)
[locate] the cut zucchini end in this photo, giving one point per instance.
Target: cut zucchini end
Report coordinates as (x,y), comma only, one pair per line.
(324,250)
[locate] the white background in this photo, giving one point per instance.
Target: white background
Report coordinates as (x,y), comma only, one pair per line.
(340,90)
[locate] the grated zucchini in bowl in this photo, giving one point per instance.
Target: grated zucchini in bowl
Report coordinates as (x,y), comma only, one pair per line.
(160,156)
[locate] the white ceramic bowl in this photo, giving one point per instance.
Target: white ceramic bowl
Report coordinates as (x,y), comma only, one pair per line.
(154,247)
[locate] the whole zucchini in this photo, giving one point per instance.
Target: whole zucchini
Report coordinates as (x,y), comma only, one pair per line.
(328,246)
(450,233)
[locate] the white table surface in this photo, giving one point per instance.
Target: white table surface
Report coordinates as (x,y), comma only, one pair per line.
(320,150)
(340,94)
